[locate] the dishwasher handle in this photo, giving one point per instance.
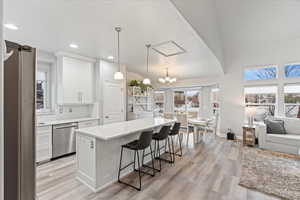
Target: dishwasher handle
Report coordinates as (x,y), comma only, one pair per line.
(63,127)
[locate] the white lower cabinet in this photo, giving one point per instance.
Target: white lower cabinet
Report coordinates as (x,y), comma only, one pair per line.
(86,162)
(43,143)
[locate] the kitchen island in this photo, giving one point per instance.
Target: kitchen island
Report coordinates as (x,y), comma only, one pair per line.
(98,149)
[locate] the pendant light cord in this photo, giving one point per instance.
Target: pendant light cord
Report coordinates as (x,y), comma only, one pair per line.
(148,46)
(119,51)
(118,29)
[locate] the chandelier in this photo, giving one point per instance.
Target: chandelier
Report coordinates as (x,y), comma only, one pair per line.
(167,79)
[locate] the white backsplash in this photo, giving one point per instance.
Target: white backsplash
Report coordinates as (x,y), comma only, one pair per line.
(69,112)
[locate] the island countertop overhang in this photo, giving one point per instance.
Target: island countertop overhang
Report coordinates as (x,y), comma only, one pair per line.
(121,129)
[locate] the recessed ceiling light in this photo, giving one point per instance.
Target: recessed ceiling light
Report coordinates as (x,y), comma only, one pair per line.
(11,26)
(110,57)
(74,46)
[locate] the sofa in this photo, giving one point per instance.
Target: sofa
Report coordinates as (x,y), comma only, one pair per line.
(286,143)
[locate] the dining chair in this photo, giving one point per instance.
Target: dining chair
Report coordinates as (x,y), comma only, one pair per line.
(182,119)
(212,125)
(168,115)
(192,114)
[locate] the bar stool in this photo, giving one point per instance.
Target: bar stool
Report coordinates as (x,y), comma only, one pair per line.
(175,132)
(142,143)
(163,134)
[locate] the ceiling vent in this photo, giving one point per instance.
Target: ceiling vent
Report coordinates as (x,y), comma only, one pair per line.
(169,48)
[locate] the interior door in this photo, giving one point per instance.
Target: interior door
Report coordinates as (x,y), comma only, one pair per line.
(113,107)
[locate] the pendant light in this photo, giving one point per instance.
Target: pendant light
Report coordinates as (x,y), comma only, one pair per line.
(118,75)
(147,81)
(167,78)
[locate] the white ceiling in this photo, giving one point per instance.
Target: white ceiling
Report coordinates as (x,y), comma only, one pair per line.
(248,21)
(53,24)
(249,24)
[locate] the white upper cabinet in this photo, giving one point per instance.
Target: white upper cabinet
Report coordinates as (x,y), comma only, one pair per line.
(76,80)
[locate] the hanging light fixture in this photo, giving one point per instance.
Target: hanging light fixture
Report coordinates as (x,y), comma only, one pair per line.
(167,78)
(147,81)
(118,75)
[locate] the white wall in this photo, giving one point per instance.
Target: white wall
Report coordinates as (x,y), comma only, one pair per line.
(201,15)
(232,84)
(1,104)
(134,76)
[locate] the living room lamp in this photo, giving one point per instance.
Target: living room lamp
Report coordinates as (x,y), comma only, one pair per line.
(250,112)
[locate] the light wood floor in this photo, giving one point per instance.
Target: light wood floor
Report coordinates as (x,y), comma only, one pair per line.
(207,171)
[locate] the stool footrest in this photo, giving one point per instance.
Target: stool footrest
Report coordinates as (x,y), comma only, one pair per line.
(127,166)
(144,172)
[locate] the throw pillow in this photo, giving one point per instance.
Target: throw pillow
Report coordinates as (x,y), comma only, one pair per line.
(275,126)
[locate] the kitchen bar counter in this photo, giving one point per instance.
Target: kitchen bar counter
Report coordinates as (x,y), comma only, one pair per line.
(99,147)
(116,130)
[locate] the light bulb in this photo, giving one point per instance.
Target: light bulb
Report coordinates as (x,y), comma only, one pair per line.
(161,80)
(118,76)
(147,81)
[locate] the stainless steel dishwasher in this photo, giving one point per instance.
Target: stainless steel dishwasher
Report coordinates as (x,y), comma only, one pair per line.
(63,139)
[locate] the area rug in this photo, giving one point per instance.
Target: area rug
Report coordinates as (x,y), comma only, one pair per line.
(272,173)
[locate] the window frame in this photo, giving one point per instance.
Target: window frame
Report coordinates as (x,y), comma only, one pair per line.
(263,104)
(185,109)
(284,74)
(289,104)
(164,101)
(185,90)
(261,67)
(48,71)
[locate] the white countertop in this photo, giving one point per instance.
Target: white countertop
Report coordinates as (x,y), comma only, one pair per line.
(63,121)
(116,130)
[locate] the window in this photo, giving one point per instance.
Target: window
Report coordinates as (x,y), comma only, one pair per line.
(159,101)
(43,87)
(187,101)
(179,101)
(292,101)
(292,70)
(263,73)
(263,98)
(215,100)
(192,101)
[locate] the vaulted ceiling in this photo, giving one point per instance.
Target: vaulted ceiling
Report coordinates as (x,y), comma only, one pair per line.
(53,24)
(209,30)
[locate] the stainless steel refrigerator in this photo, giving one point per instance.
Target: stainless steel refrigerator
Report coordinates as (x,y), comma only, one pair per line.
(19,122)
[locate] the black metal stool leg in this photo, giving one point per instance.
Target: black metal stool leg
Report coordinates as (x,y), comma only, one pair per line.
(152,160)
(134,161)
(139,166)
(159,156)
(120,164)
(170,151)
(180,145)
(173,150)
(143,157)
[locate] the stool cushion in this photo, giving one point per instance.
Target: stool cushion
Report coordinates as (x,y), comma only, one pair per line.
(131,145)
(155,136)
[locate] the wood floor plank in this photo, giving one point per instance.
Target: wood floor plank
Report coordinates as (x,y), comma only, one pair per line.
(209,170)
